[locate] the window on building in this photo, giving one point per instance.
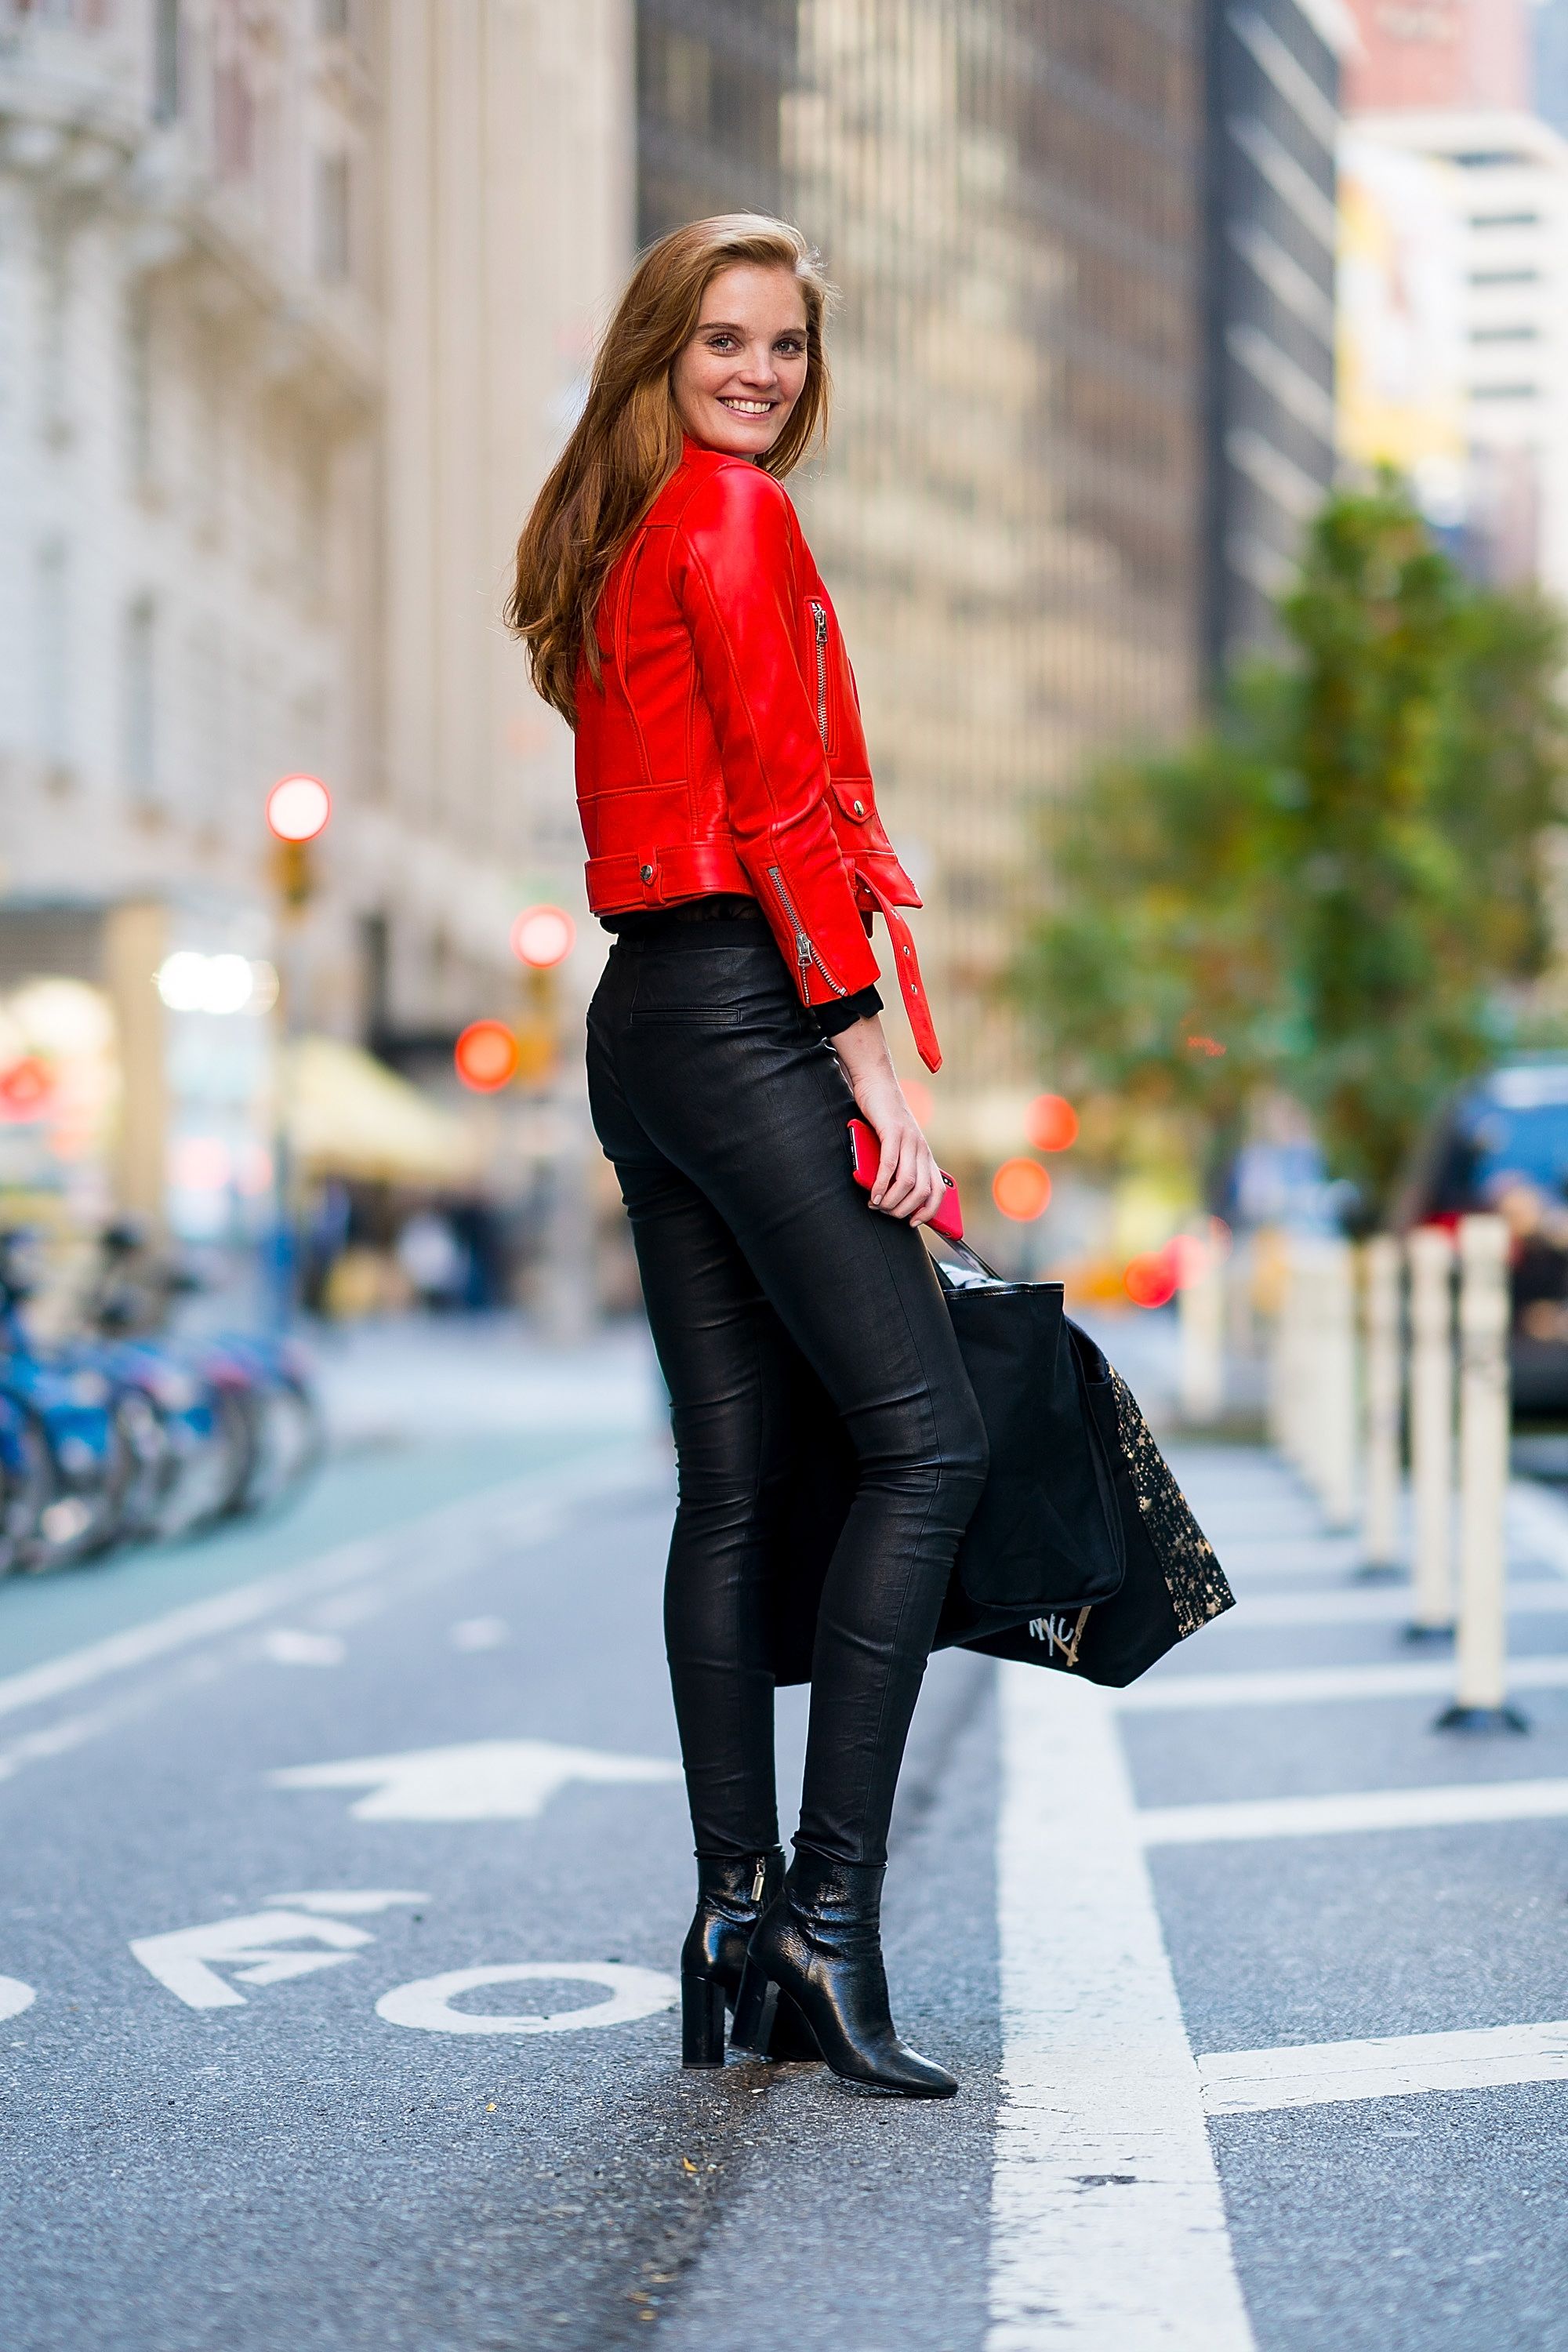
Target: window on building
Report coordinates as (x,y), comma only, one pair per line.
(234,122)
(139,750)
(138,381)
(333,19)
(166,60)
(1505,277)
(1505,334)
(52,680)
(1504,220)
(333,228)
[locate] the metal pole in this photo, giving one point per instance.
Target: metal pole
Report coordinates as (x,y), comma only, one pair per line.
(1480,1697)
(1380,1514)
(1431,1258)
(1201,1312)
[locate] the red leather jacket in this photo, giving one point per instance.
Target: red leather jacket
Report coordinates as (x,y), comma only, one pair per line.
(723,750)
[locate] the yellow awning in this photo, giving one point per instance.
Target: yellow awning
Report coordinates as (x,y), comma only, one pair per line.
(348,1115)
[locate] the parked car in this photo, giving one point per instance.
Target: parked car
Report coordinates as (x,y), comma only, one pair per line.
(1502,1145)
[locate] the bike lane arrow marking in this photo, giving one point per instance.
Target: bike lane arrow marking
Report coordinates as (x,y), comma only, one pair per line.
(480,1780)
(182,1959)
(15,1997)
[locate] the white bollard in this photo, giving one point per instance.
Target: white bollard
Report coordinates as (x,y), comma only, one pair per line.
(1480,1696)
(1431,1258)
(1334,1402)
(1201,1313)
(1379,1513)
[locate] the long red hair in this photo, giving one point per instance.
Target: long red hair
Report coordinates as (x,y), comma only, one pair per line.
(626,443)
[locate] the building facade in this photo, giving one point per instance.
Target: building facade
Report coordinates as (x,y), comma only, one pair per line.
(1272,123)
(1009,197)
(300,294)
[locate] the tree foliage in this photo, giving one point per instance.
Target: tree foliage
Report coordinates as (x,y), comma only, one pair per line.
(1332,892)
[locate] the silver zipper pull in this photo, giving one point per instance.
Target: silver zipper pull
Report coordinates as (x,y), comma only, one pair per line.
(758,1881)
(819,618)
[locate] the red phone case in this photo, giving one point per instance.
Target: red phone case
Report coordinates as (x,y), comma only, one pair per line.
(866,1158)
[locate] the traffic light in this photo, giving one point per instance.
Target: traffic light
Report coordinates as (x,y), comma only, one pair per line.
(298,808)
(486,1056)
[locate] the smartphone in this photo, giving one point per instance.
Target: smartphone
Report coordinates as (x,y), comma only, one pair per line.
(866,1158)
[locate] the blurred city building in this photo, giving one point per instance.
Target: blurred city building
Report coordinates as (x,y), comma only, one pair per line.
(1273,122)
(301,293)
(1085,369)
(1463,185)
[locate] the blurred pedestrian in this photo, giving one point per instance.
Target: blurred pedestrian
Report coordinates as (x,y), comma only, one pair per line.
(673,614)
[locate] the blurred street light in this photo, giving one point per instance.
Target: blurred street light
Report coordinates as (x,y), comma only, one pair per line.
(543,937)
(298,808)
(1051,1123)
(1021,1190)
(486,1056)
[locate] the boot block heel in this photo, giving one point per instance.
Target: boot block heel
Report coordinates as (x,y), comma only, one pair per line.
(701,2021)
(768,2024)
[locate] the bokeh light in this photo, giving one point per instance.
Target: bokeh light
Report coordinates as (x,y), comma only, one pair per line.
(1152,1278)
(486,1056)
(1051,1123)
(298,808)
(920,1099)
(1021,1190)
(544,936)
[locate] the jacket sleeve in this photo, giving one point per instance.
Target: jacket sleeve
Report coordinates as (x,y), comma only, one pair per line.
(732,570)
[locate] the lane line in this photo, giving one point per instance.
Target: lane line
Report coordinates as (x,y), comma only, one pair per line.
(498,1514)
(1372,1809)
(1391,2066)
(1374,1604)
(1312,1686)
(1108,2227)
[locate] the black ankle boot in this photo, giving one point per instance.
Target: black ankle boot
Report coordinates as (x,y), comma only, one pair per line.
(730,1898)
(818,1947)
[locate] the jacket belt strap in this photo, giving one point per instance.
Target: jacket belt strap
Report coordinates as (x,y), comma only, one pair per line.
(907,965)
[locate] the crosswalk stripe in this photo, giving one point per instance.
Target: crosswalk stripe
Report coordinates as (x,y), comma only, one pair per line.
(1392,2066)
(1372,1809)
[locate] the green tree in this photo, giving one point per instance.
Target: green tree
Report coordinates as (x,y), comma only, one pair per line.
(1332,891)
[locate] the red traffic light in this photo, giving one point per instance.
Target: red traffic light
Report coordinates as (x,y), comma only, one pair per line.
(298,808)
(543,936)
(486,1056)
(1051,1123)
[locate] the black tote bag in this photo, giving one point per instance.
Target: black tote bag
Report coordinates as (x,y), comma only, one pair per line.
(1082,1554)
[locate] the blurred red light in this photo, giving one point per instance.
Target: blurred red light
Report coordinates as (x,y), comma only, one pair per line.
(1210,1047)
(920,1099)
(1051,1123)
(1021,1190)
(544,936)
(298,808)
(24,1088)
(486,1056)
(1151,1280)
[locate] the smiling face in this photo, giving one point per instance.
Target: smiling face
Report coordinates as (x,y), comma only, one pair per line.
(739,377)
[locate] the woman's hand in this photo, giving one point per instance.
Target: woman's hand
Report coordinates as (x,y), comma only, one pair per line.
(908,1182)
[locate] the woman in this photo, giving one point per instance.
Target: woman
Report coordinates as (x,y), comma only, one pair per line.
(673,614)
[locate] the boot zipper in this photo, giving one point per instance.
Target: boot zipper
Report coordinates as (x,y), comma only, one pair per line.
(819,622)
(758,1881)
(805,952)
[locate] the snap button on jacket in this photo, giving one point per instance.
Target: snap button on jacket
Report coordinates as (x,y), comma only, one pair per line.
(722,750)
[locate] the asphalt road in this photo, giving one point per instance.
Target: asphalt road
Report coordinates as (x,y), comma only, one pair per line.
(422,1731)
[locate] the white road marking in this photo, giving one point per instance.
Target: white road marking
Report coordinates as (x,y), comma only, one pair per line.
(1462,1806)
(478,1634)
(15,1997)
(1108,2227)
(482,1780)
(1372,1604)
(1175,1693)
(180,1960)
(426,2004)
(351,1899)
(1395,2066)
(529,1510)
(292,1645)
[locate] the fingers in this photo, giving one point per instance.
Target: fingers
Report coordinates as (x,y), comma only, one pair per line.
(909,1182)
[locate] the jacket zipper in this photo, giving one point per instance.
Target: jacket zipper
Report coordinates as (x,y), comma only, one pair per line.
(819,622)
(806,951)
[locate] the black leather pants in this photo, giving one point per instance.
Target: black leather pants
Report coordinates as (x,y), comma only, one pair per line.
(724,1112)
